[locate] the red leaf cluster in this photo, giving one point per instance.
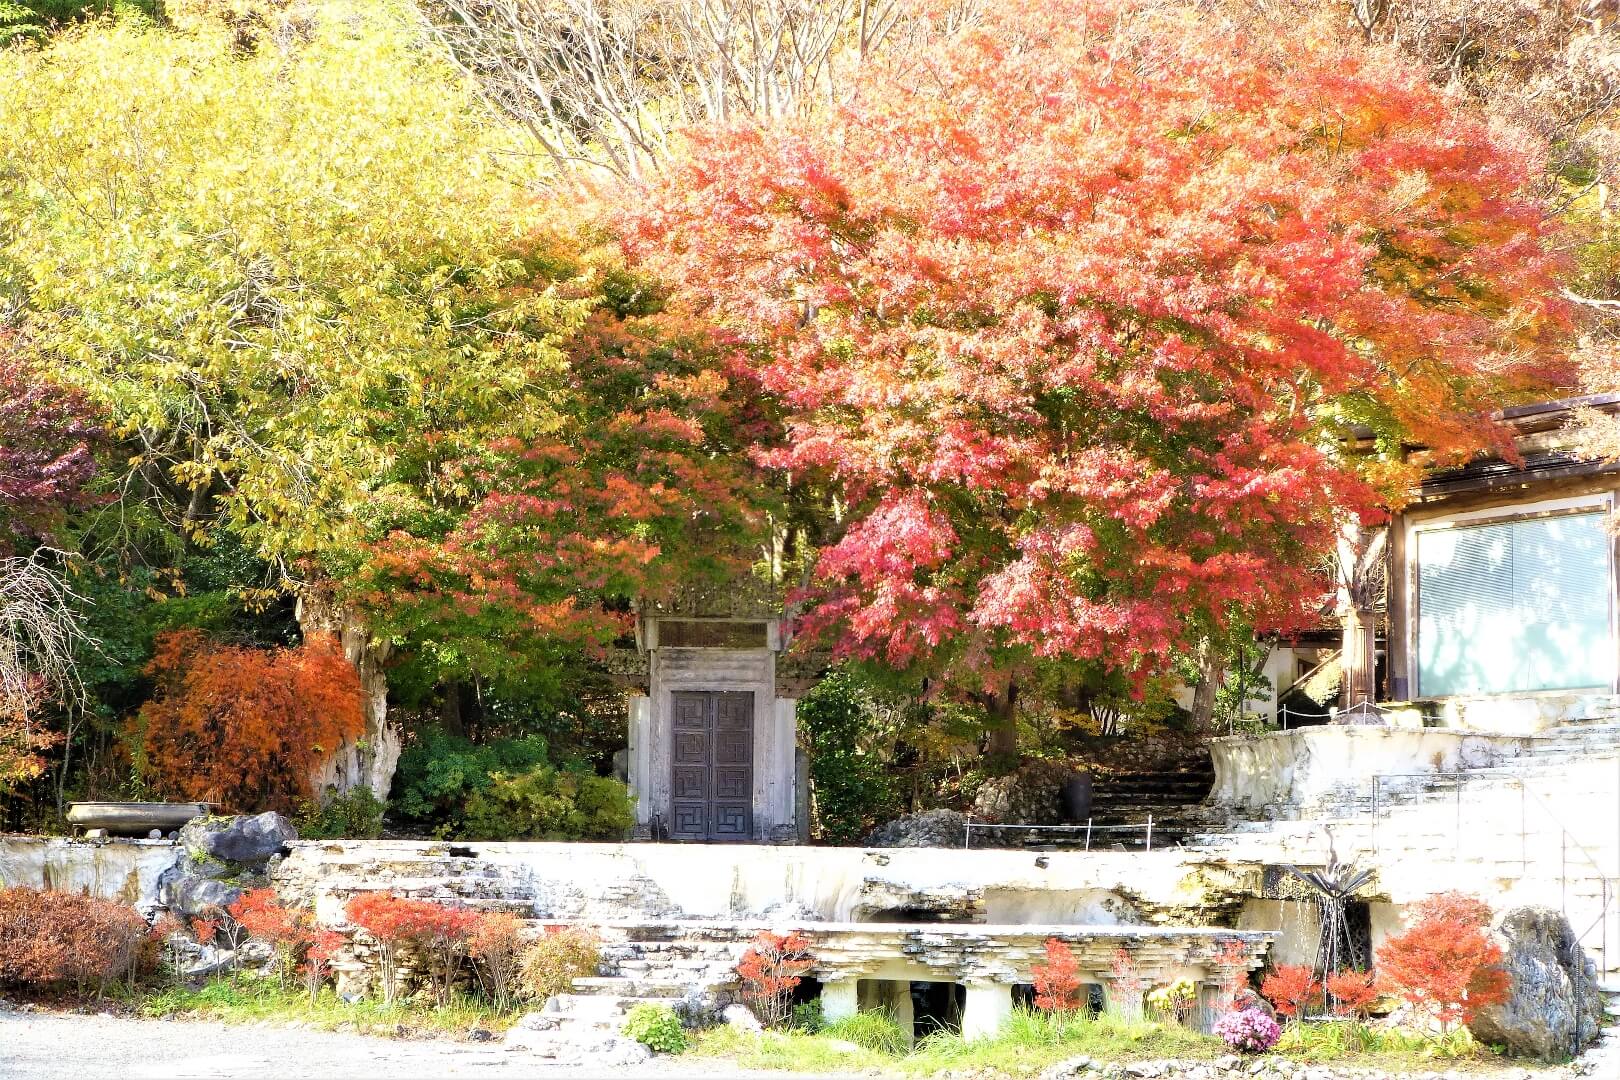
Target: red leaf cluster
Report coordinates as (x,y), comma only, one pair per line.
(50,939)
(1445,962)
(770,969)
(47,441)
(1292,989)
(1057,981)
(247,728)
(439,933)
(1075,307)
(1351,993)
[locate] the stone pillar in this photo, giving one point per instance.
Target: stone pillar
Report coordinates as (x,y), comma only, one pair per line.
(839,1000)
(989,1005)
(639,743)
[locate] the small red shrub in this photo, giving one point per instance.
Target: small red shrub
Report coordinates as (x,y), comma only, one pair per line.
(1126,985)
(438,932)
(51,939)
(286,930)
(1292,989)
(1057,981)
(770,969)
(1445,963)
(1231,966)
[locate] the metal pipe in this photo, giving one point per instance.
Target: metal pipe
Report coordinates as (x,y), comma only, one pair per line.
(1149,844)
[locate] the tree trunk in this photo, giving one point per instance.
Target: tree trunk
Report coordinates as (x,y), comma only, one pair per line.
(369,760)
(1003,710)
(1358,657)
(450,708)
(1209,680)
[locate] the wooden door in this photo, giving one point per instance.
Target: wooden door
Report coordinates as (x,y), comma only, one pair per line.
(712,765)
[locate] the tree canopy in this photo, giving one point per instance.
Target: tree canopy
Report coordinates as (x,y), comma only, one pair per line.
(1080,308)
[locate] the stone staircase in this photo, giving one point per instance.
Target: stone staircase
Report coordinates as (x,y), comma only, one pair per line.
(639,965)
(1122,803)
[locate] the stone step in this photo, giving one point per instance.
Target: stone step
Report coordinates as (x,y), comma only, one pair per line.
(626,988)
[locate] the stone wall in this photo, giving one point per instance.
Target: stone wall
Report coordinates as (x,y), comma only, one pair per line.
(597,882)
(124,870)
(1289,774)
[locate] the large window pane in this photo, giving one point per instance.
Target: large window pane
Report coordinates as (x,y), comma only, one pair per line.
(1517,606)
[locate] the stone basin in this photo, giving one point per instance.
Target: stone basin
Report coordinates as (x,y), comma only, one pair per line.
(134,818)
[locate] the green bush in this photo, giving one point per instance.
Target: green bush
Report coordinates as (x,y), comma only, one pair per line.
(853,786)
(806,1016)
(875,1030)
(656,1027)
(547,804)
(356,815)
(439,772)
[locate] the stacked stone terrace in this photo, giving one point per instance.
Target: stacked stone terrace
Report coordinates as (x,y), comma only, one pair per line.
(1523,819)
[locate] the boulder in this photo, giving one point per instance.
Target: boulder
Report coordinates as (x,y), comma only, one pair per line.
(192,895)
(244,840)
(1553,1004)
(742,1018)
(931,828)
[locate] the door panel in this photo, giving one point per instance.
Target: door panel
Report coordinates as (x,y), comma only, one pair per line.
(712,765)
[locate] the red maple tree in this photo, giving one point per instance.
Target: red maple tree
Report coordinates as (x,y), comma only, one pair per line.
(641,483)
(1058,987)
(1351,993)
(1445,962)
(770,969)
(48,437)
(1077,309)
(243,727)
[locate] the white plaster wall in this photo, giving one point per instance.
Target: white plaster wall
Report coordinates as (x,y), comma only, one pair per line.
(1522,714)
(123,870)
(1298,926)
(1291,769)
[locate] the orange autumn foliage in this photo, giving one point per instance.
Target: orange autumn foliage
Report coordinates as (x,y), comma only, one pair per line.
(246,728)
(1445,963)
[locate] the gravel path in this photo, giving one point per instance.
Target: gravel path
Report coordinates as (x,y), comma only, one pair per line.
(51,1046)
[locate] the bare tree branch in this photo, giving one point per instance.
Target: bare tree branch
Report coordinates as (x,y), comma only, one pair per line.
(609,85)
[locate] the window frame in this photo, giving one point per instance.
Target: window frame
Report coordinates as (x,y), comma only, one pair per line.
(1597,502)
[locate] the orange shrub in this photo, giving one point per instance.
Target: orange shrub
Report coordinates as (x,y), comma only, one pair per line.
(1351,993)
(53,938)
(561,954)
(496,947)
(1292,988)
(246,728)
(1445,963)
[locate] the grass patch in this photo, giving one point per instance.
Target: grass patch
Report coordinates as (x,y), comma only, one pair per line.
(786,1050)
(1030,1041)
(247,1000)
(1361,1044)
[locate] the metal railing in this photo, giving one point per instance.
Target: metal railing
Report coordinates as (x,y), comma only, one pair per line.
(1384,797)
(1086,830)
